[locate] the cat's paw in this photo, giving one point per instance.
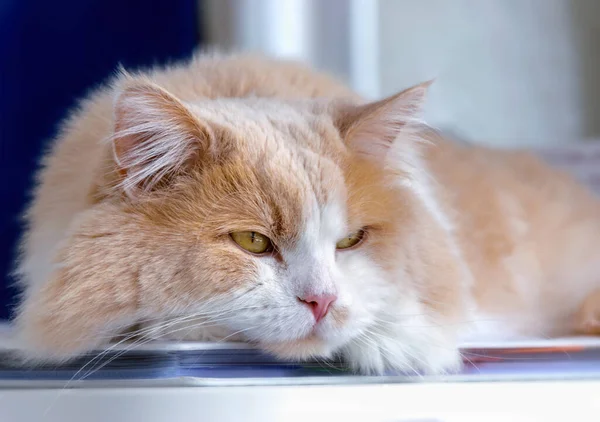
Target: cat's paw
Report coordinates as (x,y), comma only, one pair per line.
(378,356)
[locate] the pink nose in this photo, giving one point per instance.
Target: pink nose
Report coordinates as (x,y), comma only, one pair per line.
(319,304)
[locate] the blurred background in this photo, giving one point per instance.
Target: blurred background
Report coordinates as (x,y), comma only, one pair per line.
(509,73)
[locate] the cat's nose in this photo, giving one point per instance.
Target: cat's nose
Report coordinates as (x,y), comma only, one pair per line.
(319,304)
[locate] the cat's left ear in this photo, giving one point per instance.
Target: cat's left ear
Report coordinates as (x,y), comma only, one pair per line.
(371,129)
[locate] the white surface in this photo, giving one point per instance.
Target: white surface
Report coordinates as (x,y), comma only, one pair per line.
(408,402)
(502,402)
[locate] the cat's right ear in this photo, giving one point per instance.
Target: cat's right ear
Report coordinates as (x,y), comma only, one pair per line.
(155,136)
(371,129)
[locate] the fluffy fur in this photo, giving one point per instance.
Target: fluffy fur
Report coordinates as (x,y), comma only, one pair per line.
(131,218)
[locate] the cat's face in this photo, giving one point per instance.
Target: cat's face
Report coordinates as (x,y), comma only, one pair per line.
(278,222)
(296,226)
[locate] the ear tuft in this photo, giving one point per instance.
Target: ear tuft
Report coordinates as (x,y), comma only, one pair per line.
(155,135)
(371,129)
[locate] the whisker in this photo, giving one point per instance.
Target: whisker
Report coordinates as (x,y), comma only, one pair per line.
(142,332)
(143,341)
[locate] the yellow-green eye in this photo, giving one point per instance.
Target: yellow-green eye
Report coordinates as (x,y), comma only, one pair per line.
(351,240)
(253,242)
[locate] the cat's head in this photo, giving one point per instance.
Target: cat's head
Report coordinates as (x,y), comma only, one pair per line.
(302,226)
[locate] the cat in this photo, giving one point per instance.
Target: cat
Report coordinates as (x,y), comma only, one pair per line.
(249,198)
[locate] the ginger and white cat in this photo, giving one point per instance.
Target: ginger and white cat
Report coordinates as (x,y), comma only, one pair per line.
(245,198)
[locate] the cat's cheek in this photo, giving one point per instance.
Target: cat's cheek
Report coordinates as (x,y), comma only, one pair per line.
(92,291)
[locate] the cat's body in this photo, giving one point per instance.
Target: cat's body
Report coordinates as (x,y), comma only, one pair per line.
(132,219)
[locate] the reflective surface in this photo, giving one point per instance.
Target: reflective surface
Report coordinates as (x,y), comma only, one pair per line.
(206,364)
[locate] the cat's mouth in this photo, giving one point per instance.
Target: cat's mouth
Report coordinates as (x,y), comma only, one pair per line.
(322,339)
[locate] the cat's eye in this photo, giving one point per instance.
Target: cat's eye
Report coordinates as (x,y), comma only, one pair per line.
(351,240)
(253,242)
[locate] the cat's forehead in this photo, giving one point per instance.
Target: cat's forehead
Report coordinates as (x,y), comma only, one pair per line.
(283,170)
(266,126)
(294,142)
(317,178)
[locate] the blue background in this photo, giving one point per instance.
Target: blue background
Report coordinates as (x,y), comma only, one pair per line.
(51,53)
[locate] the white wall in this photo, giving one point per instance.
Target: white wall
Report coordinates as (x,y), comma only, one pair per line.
(508,71)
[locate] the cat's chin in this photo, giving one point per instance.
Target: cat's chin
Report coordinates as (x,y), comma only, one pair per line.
(301,349)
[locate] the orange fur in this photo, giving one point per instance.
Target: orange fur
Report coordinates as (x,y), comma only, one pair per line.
(529,234)
(147,179)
